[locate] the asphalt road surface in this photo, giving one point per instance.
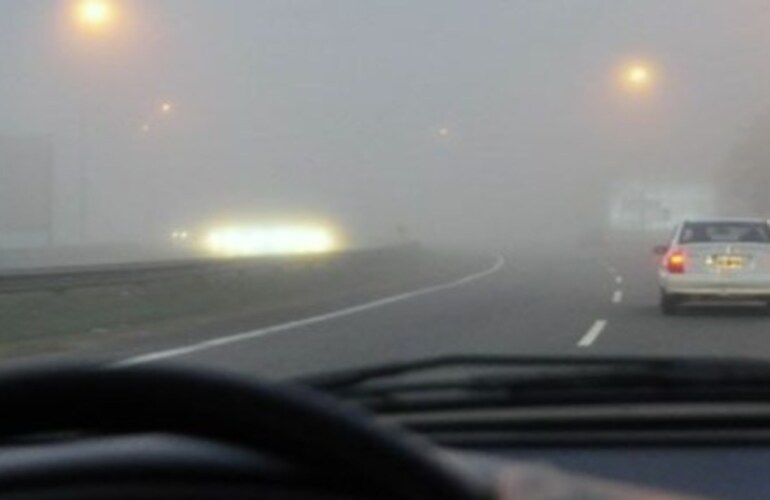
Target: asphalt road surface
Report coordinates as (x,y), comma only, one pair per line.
(588,304)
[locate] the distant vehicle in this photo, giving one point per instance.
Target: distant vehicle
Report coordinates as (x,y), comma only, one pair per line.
(717,259)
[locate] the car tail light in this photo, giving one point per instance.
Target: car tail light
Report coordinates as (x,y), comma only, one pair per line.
(675,261)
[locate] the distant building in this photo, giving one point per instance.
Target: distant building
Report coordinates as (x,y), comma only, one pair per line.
(639,206)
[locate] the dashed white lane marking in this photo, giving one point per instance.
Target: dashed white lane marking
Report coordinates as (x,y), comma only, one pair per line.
(231,339)
(617,297)
(618,279)
(593,333)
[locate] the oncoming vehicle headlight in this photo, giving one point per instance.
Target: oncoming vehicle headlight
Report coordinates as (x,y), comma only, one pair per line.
(271,240)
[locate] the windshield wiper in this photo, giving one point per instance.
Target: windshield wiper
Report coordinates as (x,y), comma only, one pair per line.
(512,380)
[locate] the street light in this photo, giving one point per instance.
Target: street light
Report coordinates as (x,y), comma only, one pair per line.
(165,108)
(94,14)
(638,76)
(93,17)
(155,124)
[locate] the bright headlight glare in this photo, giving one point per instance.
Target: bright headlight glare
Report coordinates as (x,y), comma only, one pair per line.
(277,240)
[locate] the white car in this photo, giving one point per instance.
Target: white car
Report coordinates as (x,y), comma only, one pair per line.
(715,259)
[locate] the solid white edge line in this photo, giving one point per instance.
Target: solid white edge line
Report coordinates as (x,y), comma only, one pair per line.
(230,339)
(593,333)
(617,296)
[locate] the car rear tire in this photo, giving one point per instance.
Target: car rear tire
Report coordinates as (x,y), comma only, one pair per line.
(669,303)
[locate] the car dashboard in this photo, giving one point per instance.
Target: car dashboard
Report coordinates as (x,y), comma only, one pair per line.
(169,433)
(707,450)
(168,466)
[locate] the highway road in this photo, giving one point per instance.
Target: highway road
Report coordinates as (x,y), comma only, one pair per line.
(590,304)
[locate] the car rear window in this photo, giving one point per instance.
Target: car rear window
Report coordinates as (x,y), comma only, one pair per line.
(725,232)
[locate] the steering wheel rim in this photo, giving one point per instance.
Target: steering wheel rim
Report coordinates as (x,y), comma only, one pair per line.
(291,422)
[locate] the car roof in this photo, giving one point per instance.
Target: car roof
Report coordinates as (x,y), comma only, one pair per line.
(709,220)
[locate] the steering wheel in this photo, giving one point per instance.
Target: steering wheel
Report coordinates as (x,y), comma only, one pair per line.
(294,424)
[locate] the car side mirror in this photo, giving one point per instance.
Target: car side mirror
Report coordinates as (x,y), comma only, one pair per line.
(660,249)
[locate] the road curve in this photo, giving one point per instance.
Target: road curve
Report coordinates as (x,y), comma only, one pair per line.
(534,304)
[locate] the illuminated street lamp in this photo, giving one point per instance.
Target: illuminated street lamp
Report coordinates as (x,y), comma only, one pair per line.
(638,77)
(94,14)
(156,125)
(165,108)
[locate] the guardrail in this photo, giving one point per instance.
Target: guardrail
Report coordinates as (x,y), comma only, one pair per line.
(66,278)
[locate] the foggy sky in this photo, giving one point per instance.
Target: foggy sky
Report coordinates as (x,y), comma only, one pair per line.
(335,106)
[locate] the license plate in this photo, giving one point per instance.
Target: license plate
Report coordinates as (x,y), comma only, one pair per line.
(730,262)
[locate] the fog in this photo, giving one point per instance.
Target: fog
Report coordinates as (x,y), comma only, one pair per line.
(495,123)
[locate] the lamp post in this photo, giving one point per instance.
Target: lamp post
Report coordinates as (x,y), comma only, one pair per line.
(93,17)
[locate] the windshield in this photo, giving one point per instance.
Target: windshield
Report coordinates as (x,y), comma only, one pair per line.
(290,188)
(725,232)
